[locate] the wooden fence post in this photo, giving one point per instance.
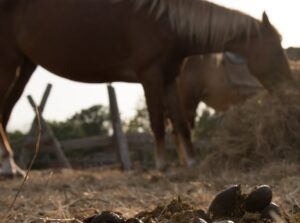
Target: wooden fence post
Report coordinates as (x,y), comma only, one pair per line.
(119,136)
(24,157)
(57,147)
(45,98)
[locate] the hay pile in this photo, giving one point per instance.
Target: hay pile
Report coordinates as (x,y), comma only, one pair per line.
(265,128)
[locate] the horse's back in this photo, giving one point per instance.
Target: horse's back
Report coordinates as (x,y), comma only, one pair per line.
(80,39)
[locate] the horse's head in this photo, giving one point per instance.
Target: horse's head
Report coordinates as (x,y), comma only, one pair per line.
(266,57)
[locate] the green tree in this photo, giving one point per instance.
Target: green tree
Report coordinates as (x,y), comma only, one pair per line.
(93,121)
(140,122)
(16,135)
(206,124)
(66,130)
(88,122)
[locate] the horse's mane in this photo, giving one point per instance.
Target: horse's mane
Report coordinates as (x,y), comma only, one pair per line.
(201,21)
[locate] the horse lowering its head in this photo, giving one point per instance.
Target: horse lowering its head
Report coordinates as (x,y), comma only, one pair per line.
(104,41)
(211,28)
(216,80)
(265,57)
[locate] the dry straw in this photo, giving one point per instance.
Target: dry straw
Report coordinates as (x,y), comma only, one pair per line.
(37,148)
(264,129)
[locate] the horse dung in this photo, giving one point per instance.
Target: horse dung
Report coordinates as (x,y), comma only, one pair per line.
(224,203)
(258,199)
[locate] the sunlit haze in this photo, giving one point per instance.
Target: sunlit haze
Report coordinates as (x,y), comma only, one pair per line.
(68,97)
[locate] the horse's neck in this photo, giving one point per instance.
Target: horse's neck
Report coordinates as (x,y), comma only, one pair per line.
(219,27)
(202,26)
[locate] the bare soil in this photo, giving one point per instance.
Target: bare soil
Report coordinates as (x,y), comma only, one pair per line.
(71,196)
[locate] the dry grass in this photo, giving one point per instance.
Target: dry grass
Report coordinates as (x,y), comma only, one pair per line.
(78,194)
(264,129)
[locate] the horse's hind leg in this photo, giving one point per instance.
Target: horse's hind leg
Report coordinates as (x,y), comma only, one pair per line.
(15,90)
(180,149)
(26,70)
(180,124)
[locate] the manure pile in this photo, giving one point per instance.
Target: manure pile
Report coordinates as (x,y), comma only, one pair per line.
(265,128)
(229,206)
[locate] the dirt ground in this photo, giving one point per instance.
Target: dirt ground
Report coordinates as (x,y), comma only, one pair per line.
(71,196)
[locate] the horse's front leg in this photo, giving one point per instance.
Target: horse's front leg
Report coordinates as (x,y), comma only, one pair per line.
(153,88)
(180,124)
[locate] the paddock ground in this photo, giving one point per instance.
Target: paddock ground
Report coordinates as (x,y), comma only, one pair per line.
(62,195)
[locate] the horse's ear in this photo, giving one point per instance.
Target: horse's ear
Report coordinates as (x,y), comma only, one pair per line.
(265,20)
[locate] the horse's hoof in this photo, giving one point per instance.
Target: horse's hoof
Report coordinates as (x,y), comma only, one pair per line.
(224,203)
(270,210)
(258,199)
(105,217)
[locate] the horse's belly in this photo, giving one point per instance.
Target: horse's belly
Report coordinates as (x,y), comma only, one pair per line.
(86,69)
(92,73)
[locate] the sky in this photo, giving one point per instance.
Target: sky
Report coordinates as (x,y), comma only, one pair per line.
(68,97)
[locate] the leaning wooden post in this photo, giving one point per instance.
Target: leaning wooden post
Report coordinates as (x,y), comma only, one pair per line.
(45,98)
(57,147)
(119,136)
(24,157)
(41,107)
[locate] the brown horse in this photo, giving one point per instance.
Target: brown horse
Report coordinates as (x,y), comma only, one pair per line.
(218,80)
(215,80)
(208,78)
(102,41)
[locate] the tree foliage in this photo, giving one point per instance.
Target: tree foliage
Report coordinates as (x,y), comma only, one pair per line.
(88,122)
(140,122)
(206,124)
(16,135)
